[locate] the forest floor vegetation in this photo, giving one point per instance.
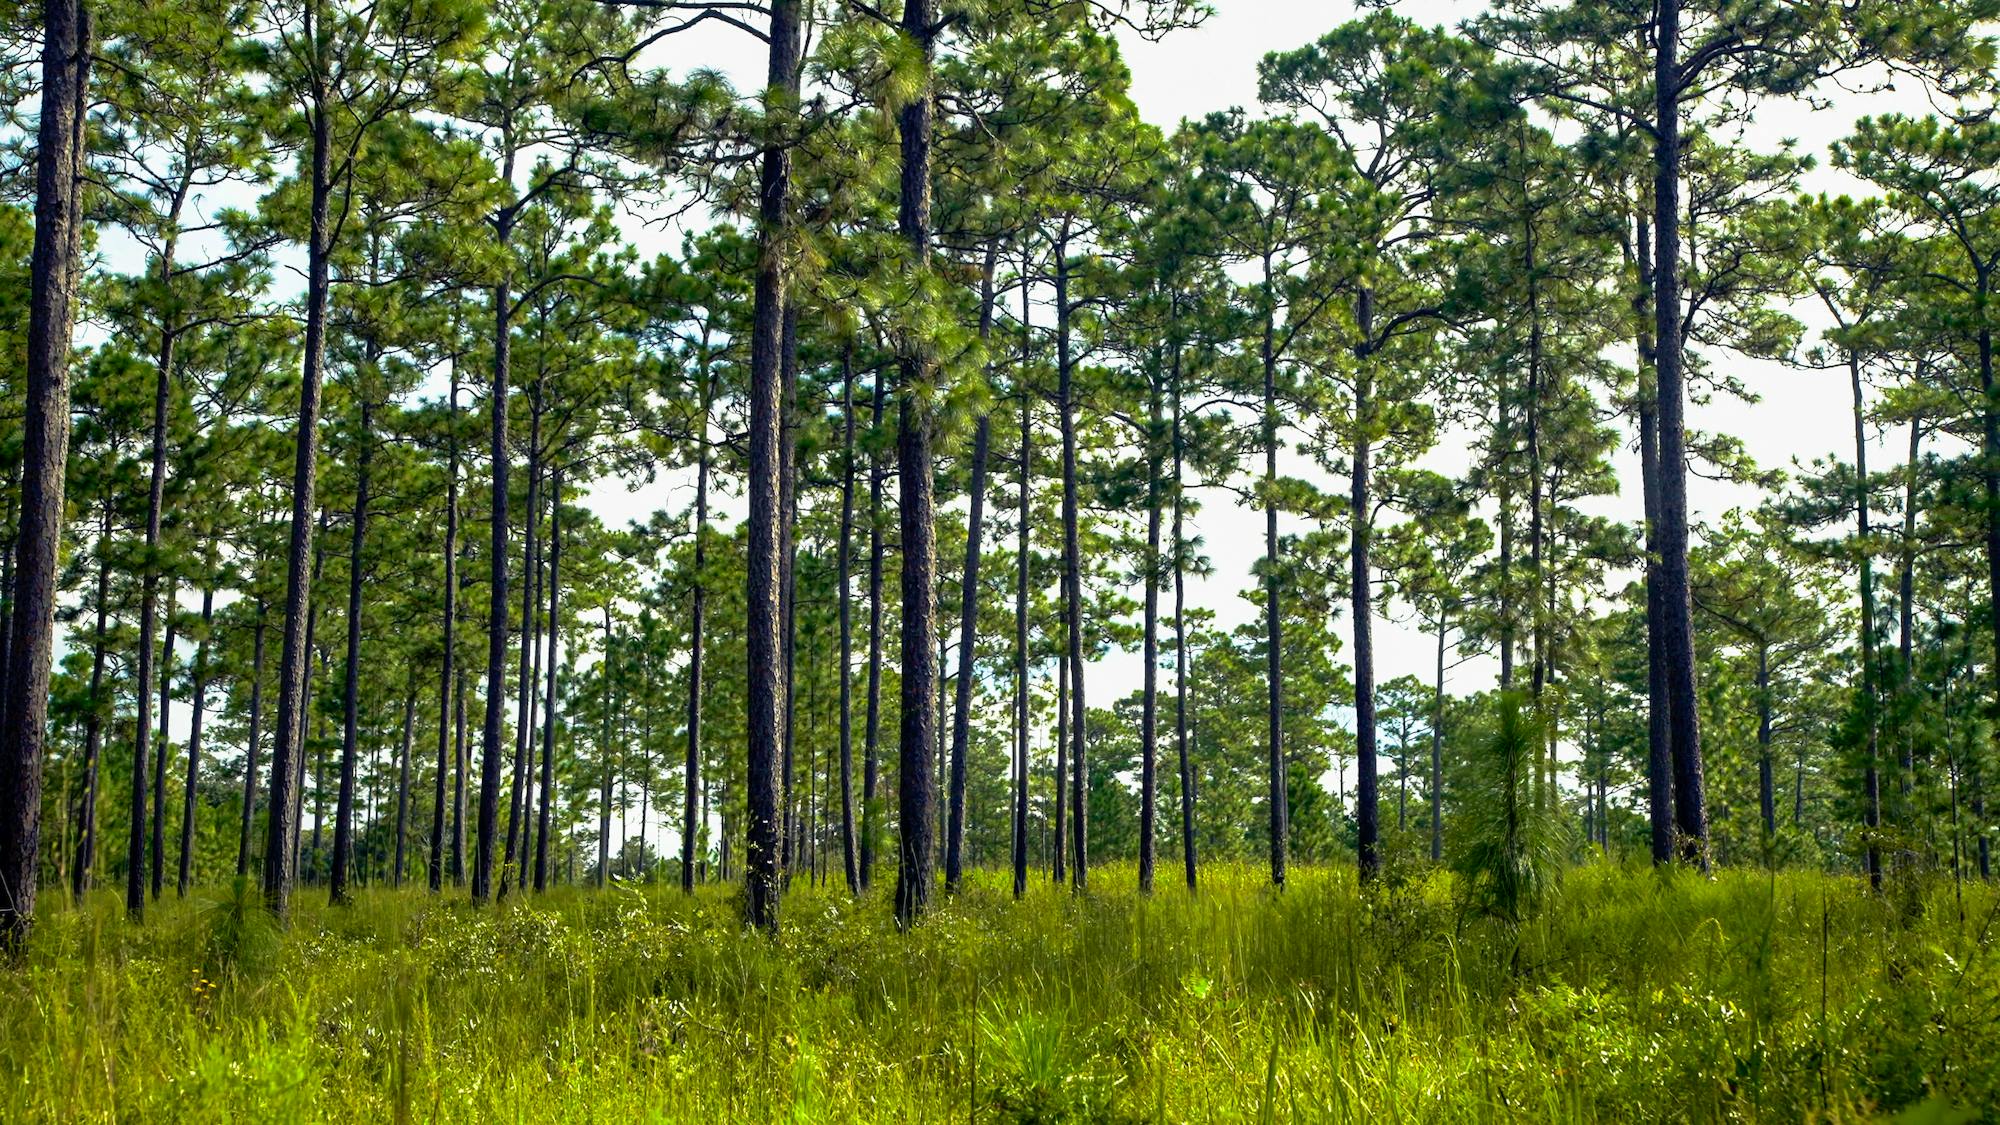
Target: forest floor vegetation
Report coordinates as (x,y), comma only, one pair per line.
(1630,996)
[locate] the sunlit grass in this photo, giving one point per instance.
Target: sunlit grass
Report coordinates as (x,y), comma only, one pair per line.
(1630,997)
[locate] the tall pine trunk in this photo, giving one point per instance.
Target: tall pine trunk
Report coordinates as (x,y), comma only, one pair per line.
(1659,735)
(850,860)
(184,878)
(1362,603)
(765,694)
(447,665)
(1189,849)
(1676,610)
(1072,576)
(280,854)
(350,707)
(1025,468)
(93,720)
(872,730)
(1149,725)
(1274,664)
(697,622)
(916,787)
(1871,770)
(544,814)
(968,612)
(252,746)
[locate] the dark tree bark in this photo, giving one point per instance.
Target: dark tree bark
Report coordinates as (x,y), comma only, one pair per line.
(1871,771)
(184,877)
(1906,598)
(1025,469)
(1059,851)
(1072,576)
(158,850)
(1274,664)
(850,859)
(788,517)
(1767,801)
(460,765)
(280,856)
(545,813)
(252,746)
(350,704)
(1149,725)
(604,752)
(1659,733)
(766,693)
(968,625)
(519,806)
(1188,843)
(916,788)
(1437,745)
(403,781)
(491,731)
(968,613)
(697,622)
(1676,612)
(93,720)
(448,662)
(1362,604)
(872,731)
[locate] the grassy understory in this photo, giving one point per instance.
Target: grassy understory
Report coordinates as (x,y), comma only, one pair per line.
(1633,997)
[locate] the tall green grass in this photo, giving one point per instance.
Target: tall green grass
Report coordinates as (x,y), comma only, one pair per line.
(1632,997)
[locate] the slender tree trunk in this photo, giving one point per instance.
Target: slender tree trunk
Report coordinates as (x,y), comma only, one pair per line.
(491,732)
(1989,448)
(968,613)
(252,746)
(543,819)
(1072,576)
(1871,775)
(850,859)
(447,669)
(158,850)
(93,720)
(403,781)
(1362,603)
(350,712)
(1677,640)
(788,517)
(280,856)
(916,788)
(697,622)
(514,862)
(1906,598)
(604,752)
(1149,717)
(1188,843)
(1437,744)
(871,735)
(459,768)
(299,751)
(1767,802)
(968,624)
(1025,471)
(1274,665)
(184,878)
(1659,733)
(148,631)
(766,693)
(1059,855)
